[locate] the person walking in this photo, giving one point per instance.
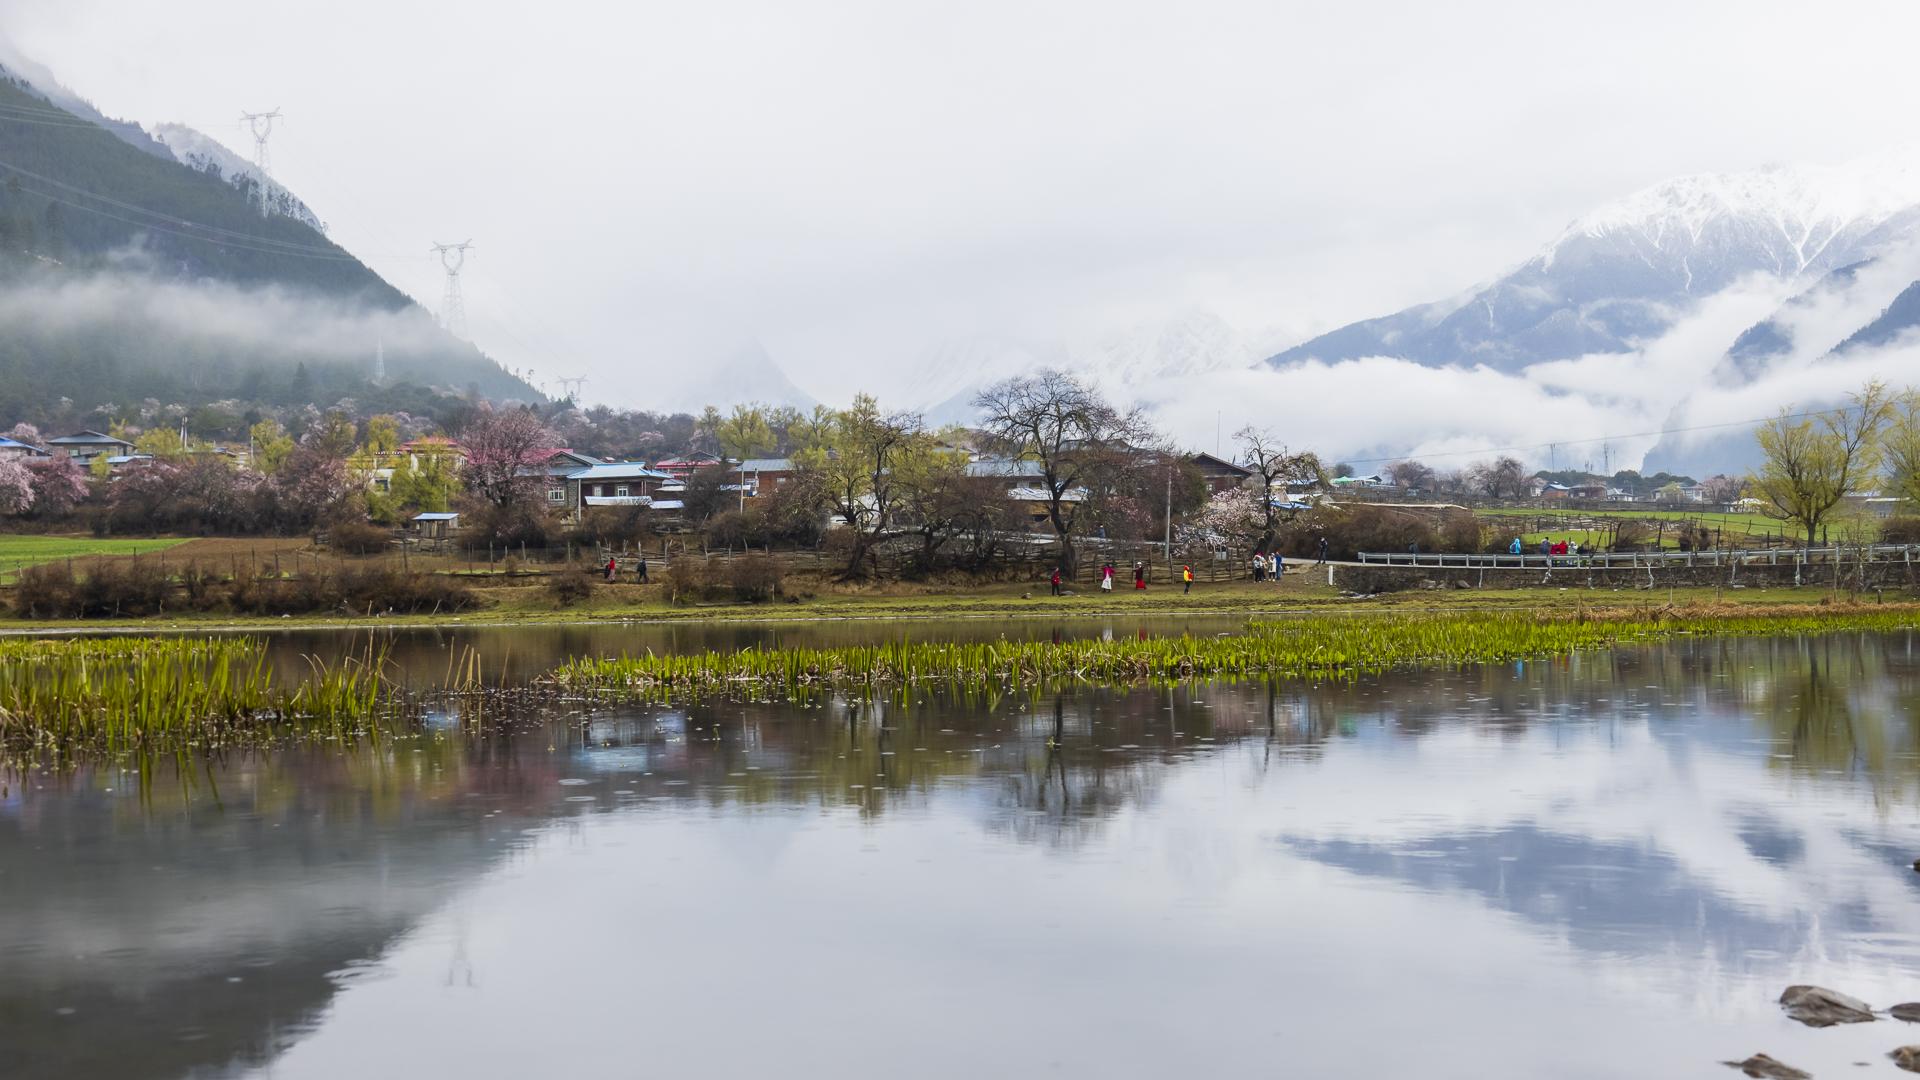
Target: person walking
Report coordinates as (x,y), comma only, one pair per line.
(1323,550)
(1186,578)
(1106,578)
(1273,565)
(613,567)
(1546,548)
(1259,565)
(1139,575)
(1056,581)
(1515,548)
(641,569)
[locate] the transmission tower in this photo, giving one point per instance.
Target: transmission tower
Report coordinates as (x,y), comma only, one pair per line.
(261,123)
(379,362)
(570,385)
(453,310)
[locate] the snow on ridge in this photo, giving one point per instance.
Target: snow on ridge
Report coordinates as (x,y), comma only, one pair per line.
(1807,204)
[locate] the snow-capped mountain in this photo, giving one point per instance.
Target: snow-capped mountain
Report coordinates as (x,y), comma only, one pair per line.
(1189,344)
(199,151)
(1630,270)
(747,373)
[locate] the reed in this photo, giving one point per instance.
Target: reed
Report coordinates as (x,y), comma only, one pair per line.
(1315,648)
(144,693)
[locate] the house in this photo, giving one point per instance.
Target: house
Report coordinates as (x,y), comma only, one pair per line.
(1219,473)
(1034,500)
(1588,492)
(14,448)
(435,525)
(608,483)
(681,468)
(1553,492)
(84,446)
(760,476)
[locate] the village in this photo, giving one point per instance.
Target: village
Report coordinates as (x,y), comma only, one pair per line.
(1052,481)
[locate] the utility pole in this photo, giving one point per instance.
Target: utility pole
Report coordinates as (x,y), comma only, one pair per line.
(1169,540)
(261,124)
(453,309)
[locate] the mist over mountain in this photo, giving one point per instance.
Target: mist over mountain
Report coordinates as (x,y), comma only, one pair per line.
(133,267)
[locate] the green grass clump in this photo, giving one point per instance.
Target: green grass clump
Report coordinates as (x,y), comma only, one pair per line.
(141,693)
(1314,648)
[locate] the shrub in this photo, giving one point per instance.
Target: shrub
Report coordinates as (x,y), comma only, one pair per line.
(570,587)
(359,538)
(1900,530)
(686,580)
(1631,534)
(129,588)
(755,579)
(46,592)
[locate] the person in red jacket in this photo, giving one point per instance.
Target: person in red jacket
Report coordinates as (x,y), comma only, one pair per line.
(1056,581)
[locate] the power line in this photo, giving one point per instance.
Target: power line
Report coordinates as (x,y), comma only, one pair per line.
(220,241)
(291,247)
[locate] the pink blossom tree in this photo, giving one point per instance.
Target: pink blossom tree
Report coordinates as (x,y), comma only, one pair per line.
(16,486)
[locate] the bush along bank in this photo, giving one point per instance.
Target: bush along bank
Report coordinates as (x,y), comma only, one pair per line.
(1307,648)
(136,588)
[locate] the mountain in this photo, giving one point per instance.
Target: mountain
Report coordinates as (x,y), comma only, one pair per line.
(1630,270)
(1186,345)
(198,151)
(747,373)
(129,273)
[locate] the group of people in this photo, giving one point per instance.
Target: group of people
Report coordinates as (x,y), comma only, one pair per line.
(1267,565)
(1548,547)
(1107,573)
(640,569)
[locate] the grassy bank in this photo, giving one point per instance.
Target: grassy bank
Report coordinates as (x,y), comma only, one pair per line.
(20,551)
(1297,648)
(521,604)
(143,693)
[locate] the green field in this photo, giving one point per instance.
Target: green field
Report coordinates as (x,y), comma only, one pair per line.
(18,552)
(1737,528)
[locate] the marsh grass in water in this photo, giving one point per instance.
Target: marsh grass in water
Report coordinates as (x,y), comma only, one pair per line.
(142,693)
(1309,648)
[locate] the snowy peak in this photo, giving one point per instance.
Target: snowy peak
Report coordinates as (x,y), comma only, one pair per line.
(1628,271)
(1805,201)
(198,151)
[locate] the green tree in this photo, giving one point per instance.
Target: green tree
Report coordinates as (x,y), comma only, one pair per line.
(747,433)
(859,468)
(271,445)
(1902,444)
(1812,464)
(383,434)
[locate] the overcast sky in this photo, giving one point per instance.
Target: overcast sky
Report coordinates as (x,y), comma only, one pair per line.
(646,183)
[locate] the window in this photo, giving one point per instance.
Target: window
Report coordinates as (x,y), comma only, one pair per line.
(621,491)
(556,494)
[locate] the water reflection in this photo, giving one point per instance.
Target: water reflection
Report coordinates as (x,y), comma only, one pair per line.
(1601,866)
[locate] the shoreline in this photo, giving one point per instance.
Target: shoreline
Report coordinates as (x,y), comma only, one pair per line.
(936,608)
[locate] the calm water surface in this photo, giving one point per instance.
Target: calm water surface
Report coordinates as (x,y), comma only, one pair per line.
(1602,867)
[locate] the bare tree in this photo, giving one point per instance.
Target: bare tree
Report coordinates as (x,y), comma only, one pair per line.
(1412,475)
(1072,433)
(1278,470)
(1501,478)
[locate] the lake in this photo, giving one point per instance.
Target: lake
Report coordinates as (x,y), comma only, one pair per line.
(1603,866)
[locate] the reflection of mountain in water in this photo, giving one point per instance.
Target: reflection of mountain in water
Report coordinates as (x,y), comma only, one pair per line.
(151,940)
(1714,799)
